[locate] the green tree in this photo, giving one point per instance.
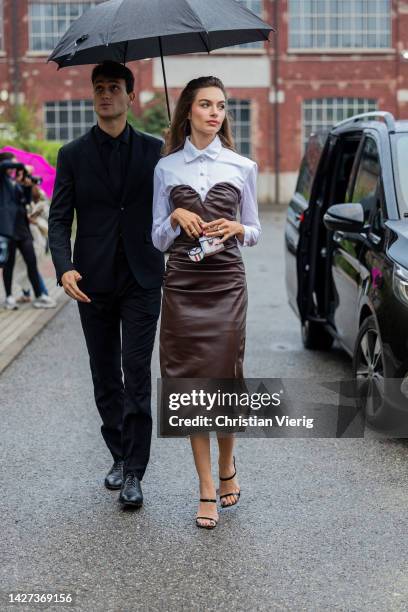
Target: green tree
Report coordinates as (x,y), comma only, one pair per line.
(153,119)
(24,121)
(24,131)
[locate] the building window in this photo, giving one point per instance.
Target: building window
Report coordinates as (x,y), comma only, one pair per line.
(1,26)
(256,7)
(240,112)
(339,24)
(320,114)
(48,21)
(68,119)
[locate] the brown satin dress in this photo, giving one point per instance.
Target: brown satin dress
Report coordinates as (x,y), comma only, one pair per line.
(204,303)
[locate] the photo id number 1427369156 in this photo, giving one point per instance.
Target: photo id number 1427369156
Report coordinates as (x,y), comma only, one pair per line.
(39,598)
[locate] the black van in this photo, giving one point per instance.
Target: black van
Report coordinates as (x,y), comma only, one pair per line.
(346,238)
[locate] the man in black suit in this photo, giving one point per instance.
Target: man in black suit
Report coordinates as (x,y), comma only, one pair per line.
(106,177)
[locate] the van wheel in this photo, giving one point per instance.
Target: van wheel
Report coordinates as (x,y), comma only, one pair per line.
(369,372)
(315,337)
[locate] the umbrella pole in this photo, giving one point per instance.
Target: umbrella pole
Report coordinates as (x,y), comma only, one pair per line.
(165,80)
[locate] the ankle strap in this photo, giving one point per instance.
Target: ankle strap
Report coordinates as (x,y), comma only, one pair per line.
(229,477)
(213,501)
(234,474)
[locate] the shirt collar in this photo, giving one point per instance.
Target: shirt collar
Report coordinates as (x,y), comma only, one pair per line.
(103,136)
(212,150)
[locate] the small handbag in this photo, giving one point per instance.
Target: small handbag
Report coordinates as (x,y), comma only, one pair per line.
(208,246)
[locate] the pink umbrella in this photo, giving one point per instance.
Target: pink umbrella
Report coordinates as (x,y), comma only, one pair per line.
(40,167)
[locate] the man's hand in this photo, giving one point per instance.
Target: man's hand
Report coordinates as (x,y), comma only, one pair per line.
(69,282)
(221,228)
(190,222)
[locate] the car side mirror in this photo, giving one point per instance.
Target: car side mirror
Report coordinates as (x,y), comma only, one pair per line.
(344,218)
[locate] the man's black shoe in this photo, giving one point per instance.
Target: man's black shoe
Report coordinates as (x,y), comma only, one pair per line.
(131,492)
(114,478)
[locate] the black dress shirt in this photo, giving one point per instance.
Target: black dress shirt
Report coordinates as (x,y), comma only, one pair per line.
(106,141)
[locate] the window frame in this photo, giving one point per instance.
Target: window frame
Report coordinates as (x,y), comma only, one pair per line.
(54,18)
(239,101)
(85,104)
(246,48)
(314,32)
(349,103)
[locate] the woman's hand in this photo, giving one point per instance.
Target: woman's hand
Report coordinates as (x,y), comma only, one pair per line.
(225,229)
(188,221)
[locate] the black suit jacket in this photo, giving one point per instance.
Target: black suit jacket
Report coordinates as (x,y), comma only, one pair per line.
(12,196)
(82,186)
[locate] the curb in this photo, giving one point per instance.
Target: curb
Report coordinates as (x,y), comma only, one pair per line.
(29,324)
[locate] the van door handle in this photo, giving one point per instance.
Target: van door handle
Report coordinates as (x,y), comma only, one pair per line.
(338,236)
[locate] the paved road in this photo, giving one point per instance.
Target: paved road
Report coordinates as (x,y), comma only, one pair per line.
(321,525)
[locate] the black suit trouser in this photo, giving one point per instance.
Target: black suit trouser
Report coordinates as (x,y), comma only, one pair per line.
(119,329)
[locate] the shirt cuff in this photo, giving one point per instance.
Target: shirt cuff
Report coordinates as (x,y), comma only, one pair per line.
(247,236)
(171,233)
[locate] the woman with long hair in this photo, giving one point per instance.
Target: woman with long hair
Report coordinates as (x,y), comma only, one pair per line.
(200,186)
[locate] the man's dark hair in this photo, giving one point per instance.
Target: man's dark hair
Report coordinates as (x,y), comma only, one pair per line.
(6,155)
(114,70)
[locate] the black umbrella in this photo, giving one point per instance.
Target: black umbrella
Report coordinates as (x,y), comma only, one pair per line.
(127,30)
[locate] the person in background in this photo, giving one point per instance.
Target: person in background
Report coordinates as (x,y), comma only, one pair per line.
(37,212)
(19,191)
(7,210)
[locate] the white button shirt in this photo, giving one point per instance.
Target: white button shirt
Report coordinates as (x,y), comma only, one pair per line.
(201,169)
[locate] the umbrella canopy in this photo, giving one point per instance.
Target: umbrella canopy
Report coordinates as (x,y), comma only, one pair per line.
(40,167)
(126,30)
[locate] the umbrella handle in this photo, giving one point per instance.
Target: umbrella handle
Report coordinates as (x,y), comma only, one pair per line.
(165,80)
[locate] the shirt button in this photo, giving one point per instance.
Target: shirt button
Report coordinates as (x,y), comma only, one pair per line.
(201,173)
(202,188)
(121,208)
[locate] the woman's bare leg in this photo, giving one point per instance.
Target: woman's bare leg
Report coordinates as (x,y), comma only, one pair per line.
(226,467)
(200,444)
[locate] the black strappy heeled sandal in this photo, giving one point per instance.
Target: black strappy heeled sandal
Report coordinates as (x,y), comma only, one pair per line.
(237,494)
(207,518)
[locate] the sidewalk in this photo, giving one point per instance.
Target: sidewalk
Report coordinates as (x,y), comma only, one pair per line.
(18,327)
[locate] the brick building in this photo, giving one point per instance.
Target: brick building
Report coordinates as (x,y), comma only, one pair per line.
(330,59)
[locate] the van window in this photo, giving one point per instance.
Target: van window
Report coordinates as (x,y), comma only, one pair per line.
(344,162)
(309,165)
(368,179)
(400,163)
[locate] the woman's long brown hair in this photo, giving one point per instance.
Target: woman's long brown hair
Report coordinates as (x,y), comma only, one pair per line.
(180,126)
